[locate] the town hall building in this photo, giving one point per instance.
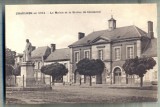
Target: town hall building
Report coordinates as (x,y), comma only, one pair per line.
(113,46)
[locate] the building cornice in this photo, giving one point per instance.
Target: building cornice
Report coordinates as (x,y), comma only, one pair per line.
(112,41)
(57,60)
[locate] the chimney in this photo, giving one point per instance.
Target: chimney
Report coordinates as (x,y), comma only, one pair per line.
(112,23)
(80,35)
(33,48)
(150,29)
(53,47)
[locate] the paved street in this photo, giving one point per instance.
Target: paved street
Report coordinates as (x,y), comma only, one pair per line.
(81,94)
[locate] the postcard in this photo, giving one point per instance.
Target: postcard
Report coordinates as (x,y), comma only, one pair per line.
(81,53)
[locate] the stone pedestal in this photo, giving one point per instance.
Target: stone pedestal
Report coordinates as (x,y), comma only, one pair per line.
(27,75)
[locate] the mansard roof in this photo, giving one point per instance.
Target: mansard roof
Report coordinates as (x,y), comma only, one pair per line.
(120,33)
(59,55)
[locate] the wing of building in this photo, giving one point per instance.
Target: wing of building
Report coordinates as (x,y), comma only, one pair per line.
(151,51)
(61,56)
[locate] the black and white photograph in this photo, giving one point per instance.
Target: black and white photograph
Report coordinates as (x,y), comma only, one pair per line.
(81,53)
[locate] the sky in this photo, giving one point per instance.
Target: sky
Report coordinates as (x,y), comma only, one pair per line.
(45,27)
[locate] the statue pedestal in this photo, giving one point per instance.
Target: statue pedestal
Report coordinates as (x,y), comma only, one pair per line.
(27,75)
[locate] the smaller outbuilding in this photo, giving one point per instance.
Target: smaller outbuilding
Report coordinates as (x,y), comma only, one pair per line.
(61,56)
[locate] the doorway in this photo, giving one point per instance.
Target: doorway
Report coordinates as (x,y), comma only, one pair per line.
(117,75)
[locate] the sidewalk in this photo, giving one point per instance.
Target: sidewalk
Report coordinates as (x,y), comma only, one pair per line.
(28,88)
(110,86)
(113,86)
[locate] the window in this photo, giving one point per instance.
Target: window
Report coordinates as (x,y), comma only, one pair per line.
(130,52)
(100,54)
(117,53)
(77,57)
(86,54)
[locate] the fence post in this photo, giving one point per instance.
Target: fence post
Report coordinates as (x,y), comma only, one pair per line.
(131,80)
(15,81)
(23,81)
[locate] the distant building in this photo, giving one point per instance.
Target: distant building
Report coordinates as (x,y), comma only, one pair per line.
(46,55)
(19,59)
(113,46)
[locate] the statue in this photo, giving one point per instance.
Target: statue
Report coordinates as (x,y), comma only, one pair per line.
(27,51)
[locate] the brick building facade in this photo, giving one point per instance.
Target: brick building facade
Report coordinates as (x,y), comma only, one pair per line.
(113,46)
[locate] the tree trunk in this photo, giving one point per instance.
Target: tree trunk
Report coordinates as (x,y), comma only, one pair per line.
(126,78)
(75,76)
(90,80)
(84,78)
(80,80)
(131,79)
(141,83)
(52,80)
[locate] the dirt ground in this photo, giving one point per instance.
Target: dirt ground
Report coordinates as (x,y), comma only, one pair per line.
(80,94)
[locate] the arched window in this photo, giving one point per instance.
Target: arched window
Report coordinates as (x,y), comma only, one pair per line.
(117,71)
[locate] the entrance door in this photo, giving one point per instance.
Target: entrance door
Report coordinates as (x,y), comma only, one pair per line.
(117,75)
